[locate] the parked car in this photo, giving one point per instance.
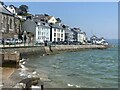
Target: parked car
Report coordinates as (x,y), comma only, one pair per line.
(7,41)
(18,41)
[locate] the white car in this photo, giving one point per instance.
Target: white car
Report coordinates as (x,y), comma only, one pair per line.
(18,41)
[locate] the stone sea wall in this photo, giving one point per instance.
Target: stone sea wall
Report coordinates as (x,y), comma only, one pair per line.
(27,51)
(65,48)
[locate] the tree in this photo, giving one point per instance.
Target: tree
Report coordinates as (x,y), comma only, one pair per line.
(58,20)
(23,9)
(64,26)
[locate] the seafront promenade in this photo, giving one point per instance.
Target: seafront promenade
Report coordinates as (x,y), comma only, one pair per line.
(15,52)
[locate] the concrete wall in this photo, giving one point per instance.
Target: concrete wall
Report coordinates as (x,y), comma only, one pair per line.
(27,51)
(61,48)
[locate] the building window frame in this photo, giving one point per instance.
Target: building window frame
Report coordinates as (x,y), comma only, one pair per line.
(10,23)
(54,39)
(4,22)
(54,34)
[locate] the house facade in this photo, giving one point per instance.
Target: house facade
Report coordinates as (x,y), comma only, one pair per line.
(45,18)
(39,29)
(42,32)
(11,8)
(9,24)
(82,37)
(76,34)
(94,39)
(52,19)
(57,33)
(68,34)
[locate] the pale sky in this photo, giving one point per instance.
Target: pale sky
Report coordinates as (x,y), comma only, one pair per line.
(98,18)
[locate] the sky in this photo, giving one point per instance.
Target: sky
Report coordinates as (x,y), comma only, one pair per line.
(94,18)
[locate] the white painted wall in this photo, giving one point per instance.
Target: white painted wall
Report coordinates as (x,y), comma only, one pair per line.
(58,33)
(52,20)
(12,10)
(81,37)
(42,33)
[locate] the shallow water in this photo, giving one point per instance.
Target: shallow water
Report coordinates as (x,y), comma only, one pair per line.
(85,69)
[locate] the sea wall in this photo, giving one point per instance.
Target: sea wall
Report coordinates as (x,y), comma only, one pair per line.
(27,51)
(65,48)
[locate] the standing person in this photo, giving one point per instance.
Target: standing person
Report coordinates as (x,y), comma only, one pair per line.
(25,38)
(3,41)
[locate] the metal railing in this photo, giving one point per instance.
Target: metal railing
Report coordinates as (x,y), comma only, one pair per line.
(20,45)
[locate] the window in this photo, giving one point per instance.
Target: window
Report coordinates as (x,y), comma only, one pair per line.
(54,39)
(39,32)
(61,30)
(38,27)
(4,20)
(61,35)
(61,39)
(54,34)
(58,30)
(54,30)
(10,23)
(58,34)
(58,39)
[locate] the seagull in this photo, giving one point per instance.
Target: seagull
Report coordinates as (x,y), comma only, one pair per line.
(34,72)
(70,85)
(23,62)
(77,86)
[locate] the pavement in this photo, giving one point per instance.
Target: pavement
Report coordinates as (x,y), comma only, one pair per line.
(5,77)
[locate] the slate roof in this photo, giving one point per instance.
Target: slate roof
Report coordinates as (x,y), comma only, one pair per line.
(41,16)
(44,24)
(76,30)
(57,26)
(4,10)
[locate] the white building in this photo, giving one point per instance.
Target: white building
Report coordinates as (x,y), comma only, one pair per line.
(11,9)
(52,19)
(57,33)
(42,32)
(82,37)
(46,18)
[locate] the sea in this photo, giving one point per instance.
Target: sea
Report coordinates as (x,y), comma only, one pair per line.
(82,69)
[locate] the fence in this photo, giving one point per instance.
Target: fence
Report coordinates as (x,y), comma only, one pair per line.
(20,45)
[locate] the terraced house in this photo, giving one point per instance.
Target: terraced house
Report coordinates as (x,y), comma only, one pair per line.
(57,33)
(9,24)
